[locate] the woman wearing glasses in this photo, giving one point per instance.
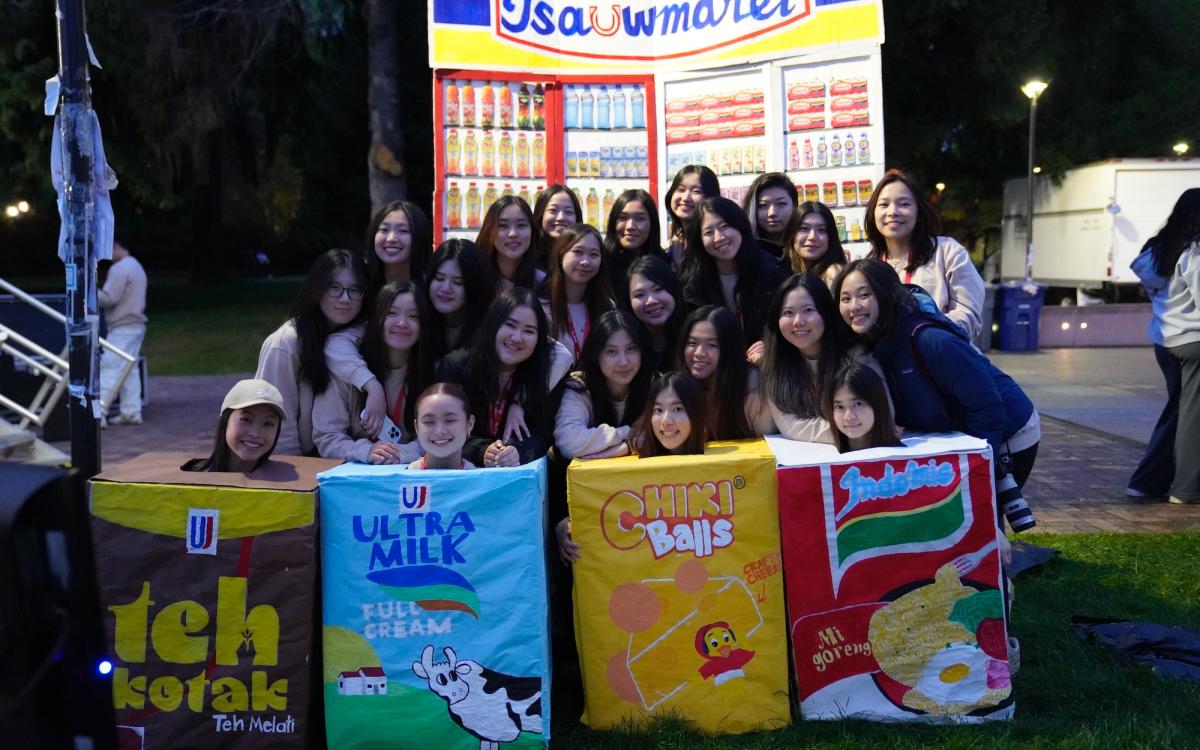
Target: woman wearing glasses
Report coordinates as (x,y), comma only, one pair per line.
(293,357)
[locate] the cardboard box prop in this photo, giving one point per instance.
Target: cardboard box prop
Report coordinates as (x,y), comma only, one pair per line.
(208,584)
(435,607)
(893,581)
(678,597)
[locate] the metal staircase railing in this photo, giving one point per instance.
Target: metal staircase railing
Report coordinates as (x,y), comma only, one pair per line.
(53,367)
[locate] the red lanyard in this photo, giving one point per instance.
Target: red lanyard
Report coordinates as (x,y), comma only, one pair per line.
(497,410)
(587,326)
(398,407)
(908,277)
(425,462)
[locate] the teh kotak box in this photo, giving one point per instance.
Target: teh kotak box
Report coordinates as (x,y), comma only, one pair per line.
(893,580)
(679,595)
(207,583)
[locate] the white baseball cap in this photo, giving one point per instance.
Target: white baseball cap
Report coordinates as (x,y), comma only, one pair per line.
(251,392)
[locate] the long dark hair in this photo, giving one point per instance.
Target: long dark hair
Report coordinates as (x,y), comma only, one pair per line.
(1181,230)
(866,384)
(889,293)
(691,395)
(541,240)
(529,380)
(312,327)
(659,272)
(709,185)
(422,241)
(597,298)
(761,183)
(486,241)
(700,275)
(925,231)
(835,254)
(218,460)
(594,381)
(612,245)
(787,380)
(478,291)
(374,348)
(731,380)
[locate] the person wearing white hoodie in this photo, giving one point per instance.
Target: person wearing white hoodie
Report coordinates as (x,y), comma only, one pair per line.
(1169,268)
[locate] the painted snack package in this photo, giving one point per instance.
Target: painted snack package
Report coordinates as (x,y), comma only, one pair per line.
(208,583)
(435,627)
(679,594)
(895,603)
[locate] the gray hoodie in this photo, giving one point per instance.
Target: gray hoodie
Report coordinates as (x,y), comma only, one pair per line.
(1175,302)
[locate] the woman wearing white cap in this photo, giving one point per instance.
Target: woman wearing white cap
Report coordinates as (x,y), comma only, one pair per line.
(248,429)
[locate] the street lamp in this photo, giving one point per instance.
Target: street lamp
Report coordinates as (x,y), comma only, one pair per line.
(1180,148)
(23,206)
(12,212)
(941,187)
(1032,89)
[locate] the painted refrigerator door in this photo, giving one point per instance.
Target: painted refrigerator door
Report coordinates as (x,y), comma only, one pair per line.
(435,630)
(678,596)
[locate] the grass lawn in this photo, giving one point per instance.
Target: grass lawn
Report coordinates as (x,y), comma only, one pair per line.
(213,329)
(1069,694)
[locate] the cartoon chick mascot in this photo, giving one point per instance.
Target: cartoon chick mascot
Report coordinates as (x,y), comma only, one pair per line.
(718,645)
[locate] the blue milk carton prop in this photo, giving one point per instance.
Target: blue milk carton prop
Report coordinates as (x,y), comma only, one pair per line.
(435,608)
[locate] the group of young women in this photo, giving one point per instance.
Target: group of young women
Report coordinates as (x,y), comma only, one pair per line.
(545,338)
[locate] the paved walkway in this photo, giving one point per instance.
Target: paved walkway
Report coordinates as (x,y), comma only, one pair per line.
(1097,405)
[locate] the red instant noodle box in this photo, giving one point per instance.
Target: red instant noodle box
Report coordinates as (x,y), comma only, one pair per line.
(893,579)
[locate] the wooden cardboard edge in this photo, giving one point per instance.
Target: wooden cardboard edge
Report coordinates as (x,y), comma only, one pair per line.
(296,473)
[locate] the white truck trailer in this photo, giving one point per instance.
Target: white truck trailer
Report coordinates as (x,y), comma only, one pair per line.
(1090,227)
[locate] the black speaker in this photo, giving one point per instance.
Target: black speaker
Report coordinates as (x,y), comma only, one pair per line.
(54,686)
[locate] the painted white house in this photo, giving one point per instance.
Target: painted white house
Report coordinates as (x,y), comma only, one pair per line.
(365,681)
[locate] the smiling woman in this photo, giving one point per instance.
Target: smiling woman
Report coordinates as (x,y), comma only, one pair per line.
(248,429)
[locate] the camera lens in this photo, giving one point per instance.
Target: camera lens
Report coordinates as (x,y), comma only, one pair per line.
(1014,505)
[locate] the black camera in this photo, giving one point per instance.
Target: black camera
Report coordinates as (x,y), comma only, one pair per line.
(1016,508)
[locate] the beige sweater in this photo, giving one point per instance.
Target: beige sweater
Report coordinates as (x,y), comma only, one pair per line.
(573,435)
(812,428)
(279,365)
(951,280)
(123,296)
(337,429)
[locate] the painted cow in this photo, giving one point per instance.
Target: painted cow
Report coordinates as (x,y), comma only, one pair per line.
(493,707)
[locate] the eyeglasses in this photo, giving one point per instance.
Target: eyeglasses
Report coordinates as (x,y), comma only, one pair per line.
(335,291)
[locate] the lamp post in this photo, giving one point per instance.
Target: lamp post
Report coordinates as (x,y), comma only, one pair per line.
(1033,89)
(1180,148)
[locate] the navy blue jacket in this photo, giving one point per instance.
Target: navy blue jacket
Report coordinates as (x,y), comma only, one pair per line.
(969,393)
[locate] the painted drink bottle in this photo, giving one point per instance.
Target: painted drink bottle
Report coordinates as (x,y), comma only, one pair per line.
(571,108)
(505,106)
(538,105)
(470,154)
(539,155)
(864,149)
(453,152)
(587,106)
(453,206)
(592,208)
(489,194)
(506,155)
(523,107)
(822,153)
(618,108)
(451,115)
(487,105)
(488,157)
(835,152)
(472,205)
(637,108)
(522,155)
(603,109)
(808,153)
(468,104)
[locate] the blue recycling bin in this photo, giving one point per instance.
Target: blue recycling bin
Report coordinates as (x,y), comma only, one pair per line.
(1020,305)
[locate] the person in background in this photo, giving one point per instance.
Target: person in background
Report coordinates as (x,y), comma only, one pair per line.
(293,357)
(813,244)
(691,186)
(1169,267)
(576,293)
(459,287)
(556,208)
(656,299)
(724,266)
(769,204)
(632,232)
(123,299)
(711,350)
(398,244)
(247,431)
(903,227)
(506,239)
(395,352)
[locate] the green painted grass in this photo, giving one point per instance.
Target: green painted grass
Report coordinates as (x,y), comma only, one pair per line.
(1069,694)
(213,329)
